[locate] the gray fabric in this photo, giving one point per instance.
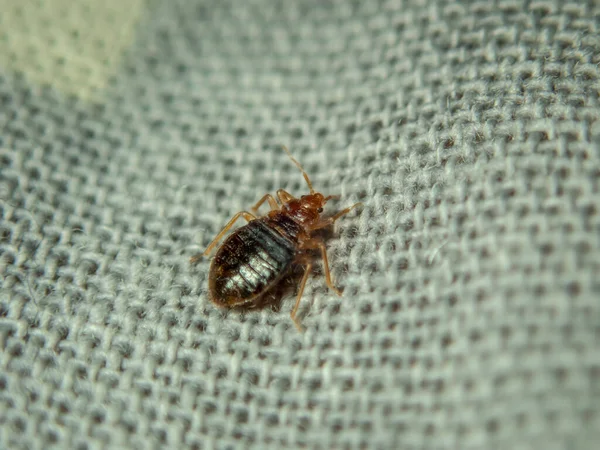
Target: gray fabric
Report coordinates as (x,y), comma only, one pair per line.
(470,316)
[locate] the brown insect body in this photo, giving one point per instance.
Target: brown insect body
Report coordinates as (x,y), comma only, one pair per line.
(256,257)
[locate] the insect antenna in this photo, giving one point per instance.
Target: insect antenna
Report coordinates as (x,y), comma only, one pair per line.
(304,174)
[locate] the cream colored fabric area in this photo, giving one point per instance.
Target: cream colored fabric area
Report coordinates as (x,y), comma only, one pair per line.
(74,46)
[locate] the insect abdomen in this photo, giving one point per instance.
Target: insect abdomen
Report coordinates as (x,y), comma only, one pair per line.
(248,263)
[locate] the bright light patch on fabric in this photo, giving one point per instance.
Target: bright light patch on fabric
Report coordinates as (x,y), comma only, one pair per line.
(72,46)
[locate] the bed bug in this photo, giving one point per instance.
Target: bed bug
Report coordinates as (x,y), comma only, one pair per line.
(257,256)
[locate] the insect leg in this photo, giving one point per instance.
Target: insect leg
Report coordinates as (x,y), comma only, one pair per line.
(329,220)
(284,196)
(317,243)
(267,198)
(307,270)
(246,215)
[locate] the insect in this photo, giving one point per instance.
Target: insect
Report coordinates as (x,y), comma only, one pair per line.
(256,257)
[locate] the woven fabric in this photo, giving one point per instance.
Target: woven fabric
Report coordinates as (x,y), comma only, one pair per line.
(470,316)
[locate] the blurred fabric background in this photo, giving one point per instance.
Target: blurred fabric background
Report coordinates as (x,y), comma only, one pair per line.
(130,132)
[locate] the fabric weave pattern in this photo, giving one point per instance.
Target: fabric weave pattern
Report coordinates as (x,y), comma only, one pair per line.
(470,316)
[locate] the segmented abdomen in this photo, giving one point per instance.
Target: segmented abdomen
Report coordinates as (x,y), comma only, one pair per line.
(249,261)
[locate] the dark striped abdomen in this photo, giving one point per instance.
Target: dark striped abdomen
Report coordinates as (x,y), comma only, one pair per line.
(248,262)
